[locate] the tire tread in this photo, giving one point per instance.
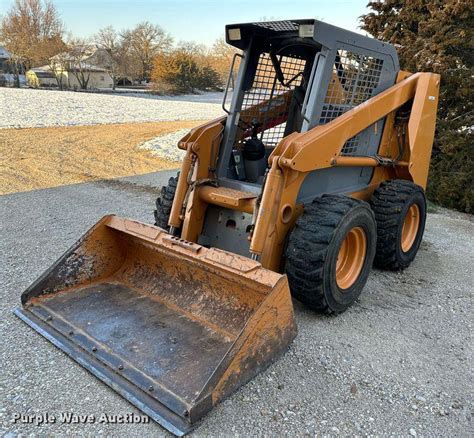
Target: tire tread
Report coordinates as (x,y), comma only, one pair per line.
(164,203)
(308,247)
(387,202)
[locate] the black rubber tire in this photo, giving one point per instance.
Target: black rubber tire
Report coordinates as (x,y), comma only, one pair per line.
(391,202)
(313,248)
(164,203)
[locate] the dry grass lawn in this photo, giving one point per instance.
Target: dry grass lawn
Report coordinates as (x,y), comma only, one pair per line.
(35,158)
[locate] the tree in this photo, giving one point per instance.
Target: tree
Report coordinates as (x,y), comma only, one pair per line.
(437,36)
(59,63)
(77,58)
(144,43)
(185,70)
(206,76)
(220,59)
(118,50)
(31,31)
(178,70)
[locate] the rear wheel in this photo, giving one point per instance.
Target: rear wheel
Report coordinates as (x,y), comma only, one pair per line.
(164,203)
(330,253)
(400,212)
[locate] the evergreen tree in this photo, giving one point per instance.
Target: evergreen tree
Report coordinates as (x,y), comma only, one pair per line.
(185,70)
(437,36)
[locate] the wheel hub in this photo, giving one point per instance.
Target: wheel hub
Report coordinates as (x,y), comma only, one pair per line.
(411,224)
(351,256)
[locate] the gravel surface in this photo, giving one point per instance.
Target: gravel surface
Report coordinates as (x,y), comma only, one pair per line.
(28,108)
(397,363)
(165,146)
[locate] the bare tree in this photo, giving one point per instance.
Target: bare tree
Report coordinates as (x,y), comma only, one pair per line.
(31,31)
(117,65)
(144,43)
(221,60)
(59,65)
(79,53)
(193,48)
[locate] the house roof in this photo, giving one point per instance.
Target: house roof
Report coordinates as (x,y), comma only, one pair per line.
(42,68)
(74,63)
(82,52)
(43,72)
(86,57)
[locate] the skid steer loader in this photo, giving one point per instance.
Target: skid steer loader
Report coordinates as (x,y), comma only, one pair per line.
(316,172)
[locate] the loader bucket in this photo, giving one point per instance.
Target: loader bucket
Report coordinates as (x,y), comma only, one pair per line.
(171,326)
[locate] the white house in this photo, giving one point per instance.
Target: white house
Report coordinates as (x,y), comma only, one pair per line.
(98,77)
(86,66)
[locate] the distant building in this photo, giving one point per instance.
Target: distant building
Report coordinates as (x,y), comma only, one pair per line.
(7,69)
(98,76)
(5,65)
(88,61)
(41,77)
(81,64)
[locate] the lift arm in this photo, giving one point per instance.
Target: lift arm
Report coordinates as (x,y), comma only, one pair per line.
(321,146)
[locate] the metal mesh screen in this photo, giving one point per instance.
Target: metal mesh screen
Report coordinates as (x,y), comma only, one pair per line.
(279,26)
(354,80)
(268,101)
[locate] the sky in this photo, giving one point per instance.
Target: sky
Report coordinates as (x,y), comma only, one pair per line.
(202,21)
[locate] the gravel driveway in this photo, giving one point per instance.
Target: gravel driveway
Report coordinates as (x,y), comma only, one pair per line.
(396,363)
(29,108)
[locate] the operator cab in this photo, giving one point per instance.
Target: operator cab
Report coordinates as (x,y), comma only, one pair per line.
(293,75)
(269,95)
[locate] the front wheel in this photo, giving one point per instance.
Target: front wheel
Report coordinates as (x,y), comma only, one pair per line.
(165,202)
(330,253)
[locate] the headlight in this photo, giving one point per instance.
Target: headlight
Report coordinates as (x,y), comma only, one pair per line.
(234,34)
(306,30)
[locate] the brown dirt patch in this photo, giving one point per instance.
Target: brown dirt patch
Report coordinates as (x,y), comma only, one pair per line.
(35,158)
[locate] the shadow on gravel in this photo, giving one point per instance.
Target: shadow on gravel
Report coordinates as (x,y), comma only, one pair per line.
(124,185)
